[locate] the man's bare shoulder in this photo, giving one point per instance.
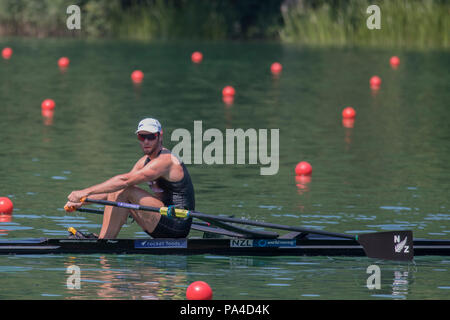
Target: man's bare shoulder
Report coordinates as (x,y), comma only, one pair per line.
(140,163)
(167,156)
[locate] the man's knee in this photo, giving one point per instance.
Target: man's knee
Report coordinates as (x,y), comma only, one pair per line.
(113,196)
(122,195)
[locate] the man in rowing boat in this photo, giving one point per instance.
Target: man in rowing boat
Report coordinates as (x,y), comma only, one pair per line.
(166,175)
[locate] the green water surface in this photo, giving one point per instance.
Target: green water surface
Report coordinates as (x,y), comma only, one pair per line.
(389,171)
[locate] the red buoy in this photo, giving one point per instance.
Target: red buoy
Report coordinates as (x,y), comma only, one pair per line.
(48,104)
(276,68)
(228,91)
(6,206)
(375,82)
(63,62)
(137,76)
(394,61)
(348,113)
(199,290)
(197,57)
(303,168)
(7,53)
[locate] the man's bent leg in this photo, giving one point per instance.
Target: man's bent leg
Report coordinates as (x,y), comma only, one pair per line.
(147,220)
(115,217)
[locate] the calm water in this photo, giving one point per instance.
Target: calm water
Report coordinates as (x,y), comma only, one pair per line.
(390,171)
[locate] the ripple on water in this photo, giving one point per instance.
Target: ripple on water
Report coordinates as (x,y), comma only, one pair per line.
(438,217)
(59,178)
(395,208)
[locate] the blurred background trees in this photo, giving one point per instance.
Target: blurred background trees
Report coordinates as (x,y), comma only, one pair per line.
(420,23)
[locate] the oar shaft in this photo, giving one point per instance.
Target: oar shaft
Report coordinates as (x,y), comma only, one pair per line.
(121,204)
(96,211)
(181,213)
(200,215)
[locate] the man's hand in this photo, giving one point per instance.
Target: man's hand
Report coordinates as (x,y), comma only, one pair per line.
(75,200)
(76,196)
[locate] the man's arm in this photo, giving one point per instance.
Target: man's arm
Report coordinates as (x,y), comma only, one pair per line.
(151,172)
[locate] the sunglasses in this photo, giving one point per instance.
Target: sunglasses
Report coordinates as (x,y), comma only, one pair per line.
(150,137)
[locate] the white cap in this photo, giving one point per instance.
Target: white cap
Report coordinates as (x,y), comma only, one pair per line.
(150,125)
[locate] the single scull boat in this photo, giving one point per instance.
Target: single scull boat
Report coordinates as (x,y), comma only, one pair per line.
(236,240)
(310,245)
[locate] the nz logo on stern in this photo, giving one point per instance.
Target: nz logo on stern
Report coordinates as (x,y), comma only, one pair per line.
(400,245)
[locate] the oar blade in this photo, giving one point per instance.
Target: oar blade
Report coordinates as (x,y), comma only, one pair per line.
(390,245)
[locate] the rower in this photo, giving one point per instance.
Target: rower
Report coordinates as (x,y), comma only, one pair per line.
(167,177)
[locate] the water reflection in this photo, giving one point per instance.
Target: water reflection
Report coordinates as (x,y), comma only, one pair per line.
(348,123)
(141,277)
(398,284)
(5,219)
(113,278)
(47,116)
(374,90)
(228,114)
(137,88)
(228,101)
(302,183)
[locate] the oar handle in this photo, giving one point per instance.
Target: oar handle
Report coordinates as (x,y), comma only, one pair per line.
(69,209)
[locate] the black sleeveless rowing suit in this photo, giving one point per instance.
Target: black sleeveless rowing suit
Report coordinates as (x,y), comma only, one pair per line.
(181,195)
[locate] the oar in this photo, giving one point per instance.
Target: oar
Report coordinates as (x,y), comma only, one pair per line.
(390,245)
(223,228)
(96,211)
